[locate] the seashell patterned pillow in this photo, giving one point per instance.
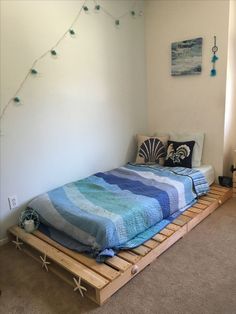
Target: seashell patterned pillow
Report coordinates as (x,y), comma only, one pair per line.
(179,154)
(151,149)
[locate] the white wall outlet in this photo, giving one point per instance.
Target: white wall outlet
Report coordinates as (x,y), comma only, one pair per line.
(13,202)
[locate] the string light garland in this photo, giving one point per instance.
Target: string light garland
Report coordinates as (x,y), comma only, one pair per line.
(84,8)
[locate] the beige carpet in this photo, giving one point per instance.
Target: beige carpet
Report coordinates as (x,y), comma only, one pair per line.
(196,275)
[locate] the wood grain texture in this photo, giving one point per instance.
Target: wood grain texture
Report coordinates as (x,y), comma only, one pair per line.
(103,280)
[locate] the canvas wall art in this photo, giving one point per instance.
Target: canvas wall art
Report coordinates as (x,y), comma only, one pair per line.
(186,57)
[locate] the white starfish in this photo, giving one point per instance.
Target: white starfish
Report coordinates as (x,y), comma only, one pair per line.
(45,262)
(78,286)
(17,243)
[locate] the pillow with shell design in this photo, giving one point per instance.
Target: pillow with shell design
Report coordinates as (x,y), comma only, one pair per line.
(151,149)
(179,154)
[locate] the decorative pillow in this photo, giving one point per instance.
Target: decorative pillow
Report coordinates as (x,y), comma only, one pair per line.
(151,149)
(198,147)
(179,154)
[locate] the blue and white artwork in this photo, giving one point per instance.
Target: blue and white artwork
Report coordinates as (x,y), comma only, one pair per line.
(186,57)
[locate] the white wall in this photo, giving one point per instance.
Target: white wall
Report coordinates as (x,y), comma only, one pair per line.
(230,112)
(80,114)
(187,103)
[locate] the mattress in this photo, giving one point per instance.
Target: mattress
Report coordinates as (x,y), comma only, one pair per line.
(208,172)
(120,208)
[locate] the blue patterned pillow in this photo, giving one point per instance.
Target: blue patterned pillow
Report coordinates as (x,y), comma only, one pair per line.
(179,154)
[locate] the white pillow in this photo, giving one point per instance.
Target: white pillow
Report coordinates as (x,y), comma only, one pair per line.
(198,147)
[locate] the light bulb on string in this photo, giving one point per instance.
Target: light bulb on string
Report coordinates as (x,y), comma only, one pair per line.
(33,71)
(117,23)
(133,14)
(53,52)
(16,100)
(97,8)
(72,32)
(86,10)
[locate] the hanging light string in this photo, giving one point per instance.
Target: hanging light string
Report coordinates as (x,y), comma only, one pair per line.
(52,50)
(117,19)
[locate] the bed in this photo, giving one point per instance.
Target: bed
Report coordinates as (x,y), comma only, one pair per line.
(117,209)
(104,229)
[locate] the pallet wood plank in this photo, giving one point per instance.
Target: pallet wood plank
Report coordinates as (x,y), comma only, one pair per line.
(151,244)
(129,256)
(179,222)
(216,192)
(208,198)
(195,210)
(61,258)
(141,264)
(213,195)
(201,201)
(101,268)
(200,206)
(118,263)
(159,237)
(184,218)
(173,227)
(141,250)
(189,214)
(221,188)
(167,232)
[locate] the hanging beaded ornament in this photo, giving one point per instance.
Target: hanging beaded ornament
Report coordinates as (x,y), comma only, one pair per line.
(214,58)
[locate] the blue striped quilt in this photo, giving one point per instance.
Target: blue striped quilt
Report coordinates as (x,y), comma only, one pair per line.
(120,208)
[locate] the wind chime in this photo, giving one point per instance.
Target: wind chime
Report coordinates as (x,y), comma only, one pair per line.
(214,58)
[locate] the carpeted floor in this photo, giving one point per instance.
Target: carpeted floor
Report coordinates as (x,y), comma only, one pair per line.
(196,275)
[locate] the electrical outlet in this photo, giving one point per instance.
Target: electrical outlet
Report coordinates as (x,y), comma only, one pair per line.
(13,202)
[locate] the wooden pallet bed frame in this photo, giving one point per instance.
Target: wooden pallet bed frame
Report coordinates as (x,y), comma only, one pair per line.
(100,281)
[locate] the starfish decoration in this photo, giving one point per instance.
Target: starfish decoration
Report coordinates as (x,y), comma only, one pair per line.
(17,243)
(45,262)
(79,287)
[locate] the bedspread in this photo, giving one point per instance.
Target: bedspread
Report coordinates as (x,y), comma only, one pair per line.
(119,208)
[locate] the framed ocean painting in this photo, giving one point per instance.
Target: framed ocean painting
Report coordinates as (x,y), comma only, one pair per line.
(186,57)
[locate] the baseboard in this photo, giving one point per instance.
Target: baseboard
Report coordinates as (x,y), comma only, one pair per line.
(4,241)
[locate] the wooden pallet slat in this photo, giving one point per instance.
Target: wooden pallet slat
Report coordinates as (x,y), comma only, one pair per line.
(201,201)
(173,227)
(179,222)
(184,218)
(216,192)
(219,188)
(129,256)
(167,232)
(200,206)
(141,250)
(189,214)
(159,237)
(118,263)
(151,244)
(195,210)
(61,258)
(101,268)
(215,196)
(208,198)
